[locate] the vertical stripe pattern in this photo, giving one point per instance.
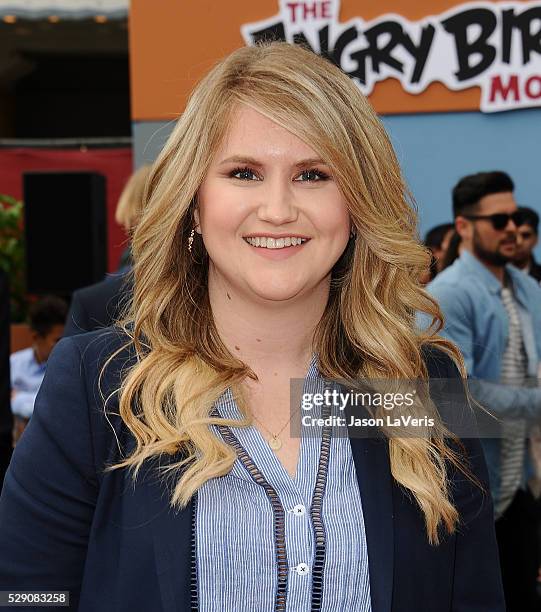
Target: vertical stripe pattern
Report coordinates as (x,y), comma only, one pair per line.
(513,372)
(257,525)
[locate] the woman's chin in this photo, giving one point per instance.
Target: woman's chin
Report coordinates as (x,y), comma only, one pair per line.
(276,293)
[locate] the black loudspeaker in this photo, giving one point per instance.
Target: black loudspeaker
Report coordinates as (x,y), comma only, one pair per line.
(65,231)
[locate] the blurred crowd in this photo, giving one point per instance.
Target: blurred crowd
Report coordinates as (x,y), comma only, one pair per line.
(444,243)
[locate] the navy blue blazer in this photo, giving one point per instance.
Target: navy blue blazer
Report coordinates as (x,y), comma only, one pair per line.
(67,525)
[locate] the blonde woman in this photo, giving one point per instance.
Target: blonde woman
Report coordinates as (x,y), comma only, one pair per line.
(160,471)
(129,207)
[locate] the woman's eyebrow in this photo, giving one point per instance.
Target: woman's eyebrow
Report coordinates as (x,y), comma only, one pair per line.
(243,159)
(311,161)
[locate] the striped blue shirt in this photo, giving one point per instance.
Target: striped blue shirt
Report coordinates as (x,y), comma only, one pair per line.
(236,527)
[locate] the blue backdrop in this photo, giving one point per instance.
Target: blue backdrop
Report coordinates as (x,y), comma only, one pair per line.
(435,150)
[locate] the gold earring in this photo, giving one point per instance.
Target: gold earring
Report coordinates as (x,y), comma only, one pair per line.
(190,240)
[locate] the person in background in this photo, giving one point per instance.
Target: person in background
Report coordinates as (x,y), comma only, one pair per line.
(47,319)
(526,242)
(101,304)
(453,250)
(493,313)
(98,305)
(6,419)
(437,240)
(128,209)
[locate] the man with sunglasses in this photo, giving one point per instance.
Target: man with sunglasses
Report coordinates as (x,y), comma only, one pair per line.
(527,234)
(493,313)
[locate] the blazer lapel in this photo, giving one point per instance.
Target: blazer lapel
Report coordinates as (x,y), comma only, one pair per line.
(371,458)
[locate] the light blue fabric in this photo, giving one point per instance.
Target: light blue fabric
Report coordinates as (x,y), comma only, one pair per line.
(26,377)
(476,321)
(236,564)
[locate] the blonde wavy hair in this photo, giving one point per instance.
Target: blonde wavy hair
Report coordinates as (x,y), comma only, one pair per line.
(368,327)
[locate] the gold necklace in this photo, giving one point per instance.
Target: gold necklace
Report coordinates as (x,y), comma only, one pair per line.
(274,441)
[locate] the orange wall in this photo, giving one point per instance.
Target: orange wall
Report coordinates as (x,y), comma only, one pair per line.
(173,43)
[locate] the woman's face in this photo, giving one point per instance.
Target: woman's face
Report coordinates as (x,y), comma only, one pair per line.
(271,216)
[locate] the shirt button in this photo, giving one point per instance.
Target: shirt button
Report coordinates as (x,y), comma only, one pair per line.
(299,510)
(302,569)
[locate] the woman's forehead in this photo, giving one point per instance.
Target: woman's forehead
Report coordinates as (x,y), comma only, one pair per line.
(252,134)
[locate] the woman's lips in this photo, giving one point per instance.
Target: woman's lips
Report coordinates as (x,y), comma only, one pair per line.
(277,253)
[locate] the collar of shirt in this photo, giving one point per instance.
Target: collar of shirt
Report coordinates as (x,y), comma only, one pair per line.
(516,276)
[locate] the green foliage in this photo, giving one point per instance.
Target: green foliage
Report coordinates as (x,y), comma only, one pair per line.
(12,258)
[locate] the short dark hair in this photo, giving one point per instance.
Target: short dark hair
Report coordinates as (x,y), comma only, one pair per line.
(531,218)
(46,313)
(470,189)
(434,237)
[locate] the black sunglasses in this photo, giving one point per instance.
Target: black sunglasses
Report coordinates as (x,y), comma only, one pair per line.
(500,220)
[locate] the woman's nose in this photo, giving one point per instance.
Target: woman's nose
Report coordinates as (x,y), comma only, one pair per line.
(277,203)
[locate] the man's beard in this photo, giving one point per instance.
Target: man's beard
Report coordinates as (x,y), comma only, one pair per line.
(493,258)
(521,260)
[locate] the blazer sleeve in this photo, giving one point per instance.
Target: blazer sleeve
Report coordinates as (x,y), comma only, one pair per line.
(477,584)
(51,486)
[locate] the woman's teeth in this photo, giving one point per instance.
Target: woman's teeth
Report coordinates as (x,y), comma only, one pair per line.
(275,243)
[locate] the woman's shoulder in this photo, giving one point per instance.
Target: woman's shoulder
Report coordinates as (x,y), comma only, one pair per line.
(98,344)
(79,393)
(448,391)
(438,363)
(102,355)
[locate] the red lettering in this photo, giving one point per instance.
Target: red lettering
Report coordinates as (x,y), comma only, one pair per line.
(326,10)
(497,88)
(534,80)
(292,6)
(309,9)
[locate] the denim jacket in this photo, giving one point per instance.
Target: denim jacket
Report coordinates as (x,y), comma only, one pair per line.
(476,321)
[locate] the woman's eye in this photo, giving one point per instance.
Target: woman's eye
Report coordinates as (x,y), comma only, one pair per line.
(244,174)
(313,176)
(307,176)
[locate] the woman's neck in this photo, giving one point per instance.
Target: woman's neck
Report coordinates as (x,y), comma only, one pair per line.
(264,333)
